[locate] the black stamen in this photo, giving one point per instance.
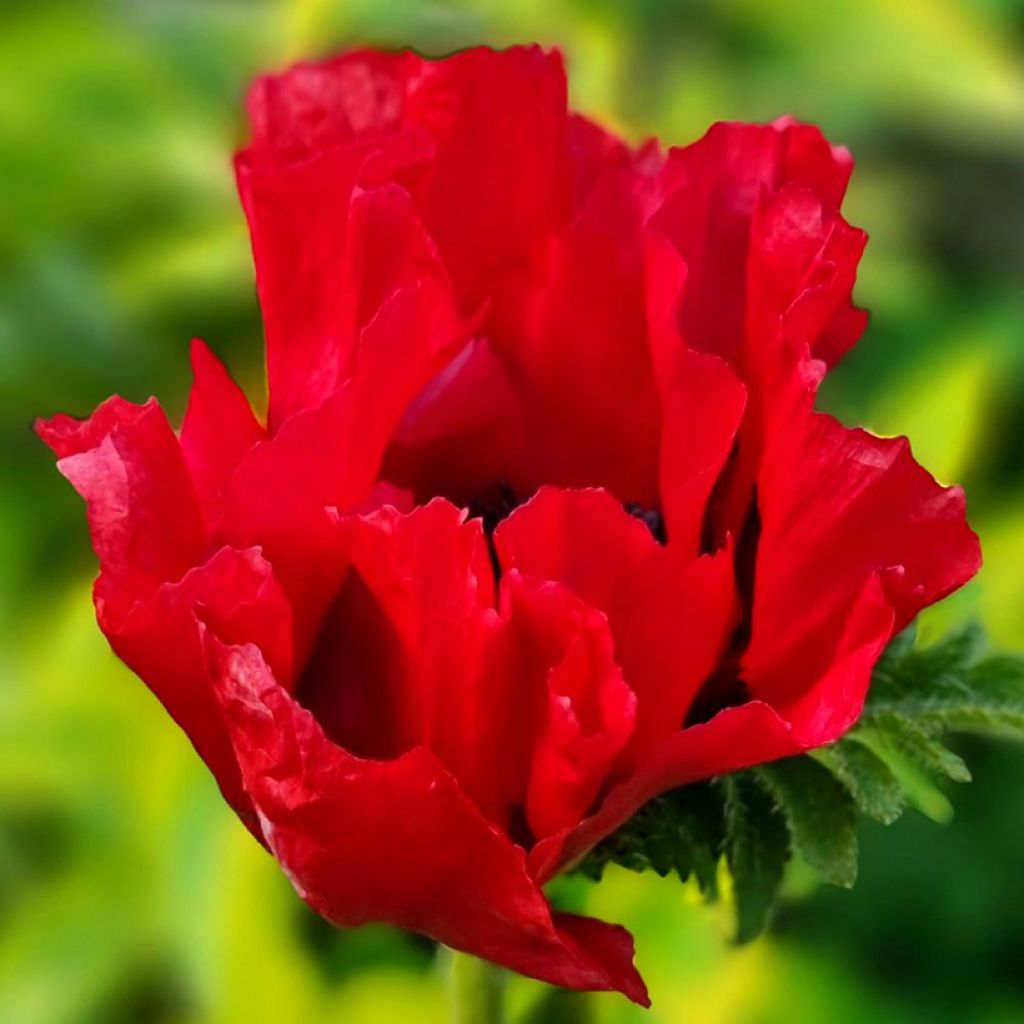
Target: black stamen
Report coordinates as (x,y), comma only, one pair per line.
(491,507)
(651,518)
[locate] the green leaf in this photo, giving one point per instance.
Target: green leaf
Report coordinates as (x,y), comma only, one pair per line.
(756,850)
(871,782)
(898,647)
(986,697)
(920,695)
(679,832)
(997,687)
(821,815)
(899,741)
(808,805)
(906,673)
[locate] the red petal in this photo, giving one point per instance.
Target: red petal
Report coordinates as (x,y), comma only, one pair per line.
(465,430)
(160,641)
(822,711)
(487,127)
(218,430)
(735,738)
(702,404)
(801,270)
(583,539)
(526,710)
(670,614)
(837,507)
(583,319)
(592,152)
(330,456)
(127,464)
(401,647)
(316,107)
(499,179)
(716,185)
(279,496)
(398,841)
(559,651)
(738,737)
(358,249)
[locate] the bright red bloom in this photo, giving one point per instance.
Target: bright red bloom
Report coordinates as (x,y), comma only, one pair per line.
(542,522)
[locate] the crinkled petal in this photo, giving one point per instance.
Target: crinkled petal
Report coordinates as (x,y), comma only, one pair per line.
(330,456)
(313,108)
(701,398)
(479,138)
(398,841)
(160,641)
(801,271)
(527,708)
(499,178)
(125,461)
(837,507)
(398,654)
(801,268)
(329,256)
(738,737)
(218,430)
(464,430)
(713,188)
(574,712)
(575,342)
(671,614)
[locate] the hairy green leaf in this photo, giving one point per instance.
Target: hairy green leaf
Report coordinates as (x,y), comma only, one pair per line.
(984,697)
(756,850)
(902,741)
(821,815)
(807,806)
(679,832)
(871,782)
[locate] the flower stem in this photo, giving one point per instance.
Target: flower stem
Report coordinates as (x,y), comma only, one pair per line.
(478,991)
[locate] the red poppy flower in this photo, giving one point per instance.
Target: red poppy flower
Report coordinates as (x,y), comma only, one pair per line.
(542,522)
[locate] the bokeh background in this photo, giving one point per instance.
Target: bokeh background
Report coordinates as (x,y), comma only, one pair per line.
(128,893)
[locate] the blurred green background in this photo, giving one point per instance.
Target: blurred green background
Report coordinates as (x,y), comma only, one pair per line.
(128,893)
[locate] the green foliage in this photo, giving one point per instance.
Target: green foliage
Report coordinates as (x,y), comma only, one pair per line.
(808,806)
(756,848)
(820,813)
(867,778)
(682,832)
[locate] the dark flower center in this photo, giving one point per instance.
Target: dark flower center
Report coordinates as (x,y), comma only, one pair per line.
(499,501)
(651,517)
(725,687)
(493,505)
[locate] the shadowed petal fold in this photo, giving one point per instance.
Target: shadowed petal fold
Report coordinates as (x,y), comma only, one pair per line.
(398,841)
